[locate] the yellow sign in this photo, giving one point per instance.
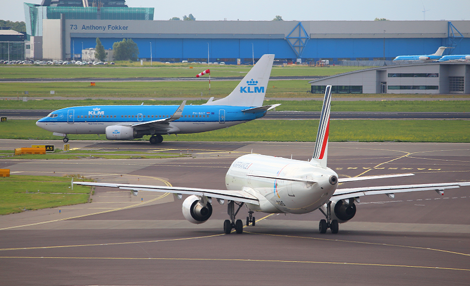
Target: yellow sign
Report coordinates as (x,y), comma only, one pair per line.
(66,147)
(49,148)
(4,119)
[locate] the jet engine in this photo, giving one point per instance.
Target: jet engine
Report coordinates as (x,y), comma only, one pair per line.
(424,58)
(343,210)
(119,132)
(196,210)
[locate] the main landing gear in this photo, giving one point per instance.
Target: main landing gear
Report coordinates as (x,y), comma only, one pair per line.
(230,224)
(66,139)
(328,223)
(250,218)
(156,139)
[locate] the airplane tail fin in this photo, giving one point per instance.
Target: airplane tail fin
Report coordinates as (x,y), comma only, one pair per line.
(440,51)
(252,89)
(321,144)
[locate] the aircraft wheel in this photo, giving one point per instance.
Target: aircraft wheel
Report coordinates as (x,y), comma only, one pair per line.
(247,221)
(159,139)
(239,226)
(227,226)
(253,222)
(65,139)
(334,226)
(322,227)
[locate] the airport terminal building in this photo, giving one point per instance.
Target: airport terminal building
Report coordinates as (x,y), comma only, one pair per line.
(62,32)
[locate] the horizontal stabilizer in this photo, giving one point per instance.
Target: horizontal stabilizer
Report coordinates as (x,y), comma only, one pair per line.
(345,180)
(261,108)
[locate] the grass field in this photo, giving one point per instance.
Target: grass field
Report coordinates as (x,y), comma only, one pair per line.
(20,193)
(158,70)
(294,105)
(289,131)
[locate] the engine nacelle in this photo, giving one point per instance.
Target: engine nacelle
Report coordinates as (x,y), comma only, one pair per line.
(342,210)
(195,211)
(118,132)
(424,58)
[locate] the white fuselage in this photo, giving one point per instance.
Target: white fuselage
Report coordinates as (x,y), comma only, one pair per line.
(281,195)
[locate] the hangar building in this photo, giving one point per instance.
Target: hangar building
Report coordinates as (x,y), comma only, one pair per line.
(66,31)
(424,78)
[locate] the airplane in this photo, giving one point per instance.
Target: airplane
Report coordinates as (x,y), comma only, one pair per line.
(455,58)
(126,122)
(432,57)
(279,185)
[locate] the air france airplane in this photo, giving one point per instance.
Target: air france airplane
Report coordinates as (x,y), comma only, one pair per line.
(433,57)
(278,185)
(126,122)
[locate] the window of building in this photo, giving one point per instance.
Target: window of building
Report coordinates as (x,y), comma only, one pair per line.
(342,89)
(413,75)
(456,84)
(408,87)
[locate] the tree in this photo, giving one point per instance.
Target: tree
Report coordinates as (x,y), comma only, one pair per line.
(17,26)
(127,49)
(175,19)
(278,18)
(380,19)
(189,18)
(100,53)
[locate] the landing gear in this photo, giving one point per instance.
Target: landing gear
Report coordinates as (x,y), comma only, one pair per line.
(232,223)
(250,218)
(156,139)
(328,223)
(66,139)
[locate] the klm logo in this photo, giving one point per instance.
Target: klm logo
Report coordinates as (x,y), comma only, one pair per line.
(96,111)
(116,132)
(252,87)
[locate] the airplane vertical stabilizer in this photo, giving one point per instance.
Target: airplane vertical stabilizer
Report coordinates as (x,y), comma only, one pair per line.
(321,144)
(252,89)
(440,51)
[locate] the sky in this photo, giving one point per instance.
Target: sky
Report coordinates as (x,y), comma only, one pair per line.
(289,10)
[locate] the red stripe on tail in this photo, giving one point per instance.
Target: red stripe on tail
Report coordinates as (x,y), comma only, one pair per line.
(325,140)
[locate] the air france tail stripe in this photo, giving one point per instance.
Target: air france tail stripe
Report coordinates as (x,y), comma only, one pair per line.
(324,126)
(323,148)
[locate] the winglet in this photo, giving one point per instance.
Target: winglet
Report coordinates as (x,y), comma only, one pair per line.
(321,144)
(178,112)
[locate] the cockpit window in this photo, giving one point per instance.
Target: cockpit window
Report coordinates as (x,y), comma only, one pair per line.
(52,115)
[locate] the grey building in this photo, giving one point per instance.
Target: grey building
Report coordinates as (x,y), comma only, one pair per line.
(426,78)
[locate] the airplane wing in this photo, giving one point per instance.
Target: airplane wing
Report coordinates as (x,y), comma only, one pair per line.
(341,194)
(261,108)
(238,196)
(163,123)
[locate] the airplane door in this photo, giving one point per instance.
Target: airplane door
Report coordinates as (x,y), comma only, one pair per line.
(222,116)
(290,193)
(70,116)
(140,117)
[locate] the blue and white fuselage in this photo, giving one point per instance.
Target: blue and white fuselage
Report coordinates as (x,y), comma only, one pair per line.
(126,122)
(95,119)
(425,58)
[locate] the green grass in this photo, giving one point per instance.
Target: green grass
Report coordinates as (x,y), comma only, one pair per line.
(88,154)
(117,90)
(294,105)
(289,130)
(19,193)
(134,70)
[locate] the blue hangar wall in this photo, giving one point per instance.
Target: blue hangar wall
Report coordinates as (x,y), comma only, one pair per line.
(310,40)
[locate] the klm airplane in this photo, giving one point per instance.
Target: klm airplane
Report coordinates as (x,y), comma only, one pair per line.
(455,58)
(126,122)
(425,58)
